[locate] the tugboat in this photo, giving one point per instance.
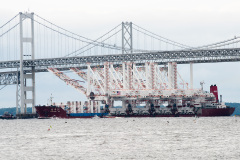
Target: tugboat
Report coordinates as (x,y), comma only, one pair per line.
(7,115)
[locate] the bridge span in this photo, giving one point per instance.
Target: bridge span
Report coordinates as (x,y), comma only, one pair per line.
(181,57)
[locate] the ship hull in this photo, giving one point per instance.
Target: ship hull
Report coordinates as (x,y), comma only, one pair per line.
(51,112)
(212,112)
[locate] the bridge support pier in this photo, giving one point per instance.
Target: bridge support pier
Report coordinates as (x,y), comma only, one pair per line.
(27,80)
(127,41)
(18,98)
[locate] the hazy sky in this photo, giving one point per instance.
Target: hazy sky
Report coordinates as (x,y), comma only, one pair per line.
(187,21)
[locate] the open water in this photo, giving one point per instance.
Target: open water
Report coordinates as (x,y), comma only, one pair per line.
(121,138)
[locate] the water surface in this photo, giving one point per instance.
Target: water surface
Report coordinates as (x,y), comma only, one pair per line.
(121,138)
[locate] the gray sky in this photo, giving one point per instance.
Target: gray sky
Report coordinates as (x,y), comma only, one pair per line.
(190,22)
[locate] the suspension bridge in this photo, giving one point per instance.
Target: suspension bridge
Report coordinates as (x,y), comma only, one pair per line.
(30,43)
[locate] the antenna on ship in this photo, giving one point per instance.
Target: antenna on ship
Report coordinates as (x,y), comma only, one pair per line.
(51,98)
(201,83)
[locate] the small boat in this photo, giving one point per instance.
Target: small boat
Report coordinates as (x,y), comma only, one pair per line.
(7,115)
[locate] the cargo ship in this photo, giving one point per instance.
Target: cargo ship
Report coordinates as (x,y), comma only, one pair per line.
(135,90)
(81,110)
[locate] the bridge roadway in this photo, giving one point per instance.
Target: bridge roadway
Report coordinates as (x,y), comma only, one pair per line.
(64,63)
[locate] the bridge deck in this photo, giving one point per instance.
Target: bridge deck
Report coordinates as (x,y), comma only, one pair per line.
(181,57)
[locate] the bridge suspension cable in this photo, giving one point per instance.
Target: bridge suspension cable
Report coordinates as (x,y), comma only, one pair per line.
(218,44)
(96,41)
(209,46)
(9,21)
(55,40)
(225,44)
(95,46)
(9,30)
(8,45)
(87,40)
(160,38)
(3,87)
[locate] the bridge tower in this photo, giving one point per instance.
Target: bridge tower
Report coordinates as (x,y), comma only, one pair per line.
(26,87)
(127,41)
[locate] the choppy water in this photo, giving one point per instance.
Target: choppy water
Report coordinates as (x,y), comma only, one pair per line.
(121,138)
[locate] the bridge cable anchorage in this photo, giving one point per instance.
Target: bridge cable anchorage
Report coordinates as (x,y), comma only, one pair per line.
(161,36)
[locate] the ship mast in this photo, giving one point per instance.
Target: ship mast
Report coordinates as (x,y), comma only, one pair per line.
(201,83)
(51,98)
